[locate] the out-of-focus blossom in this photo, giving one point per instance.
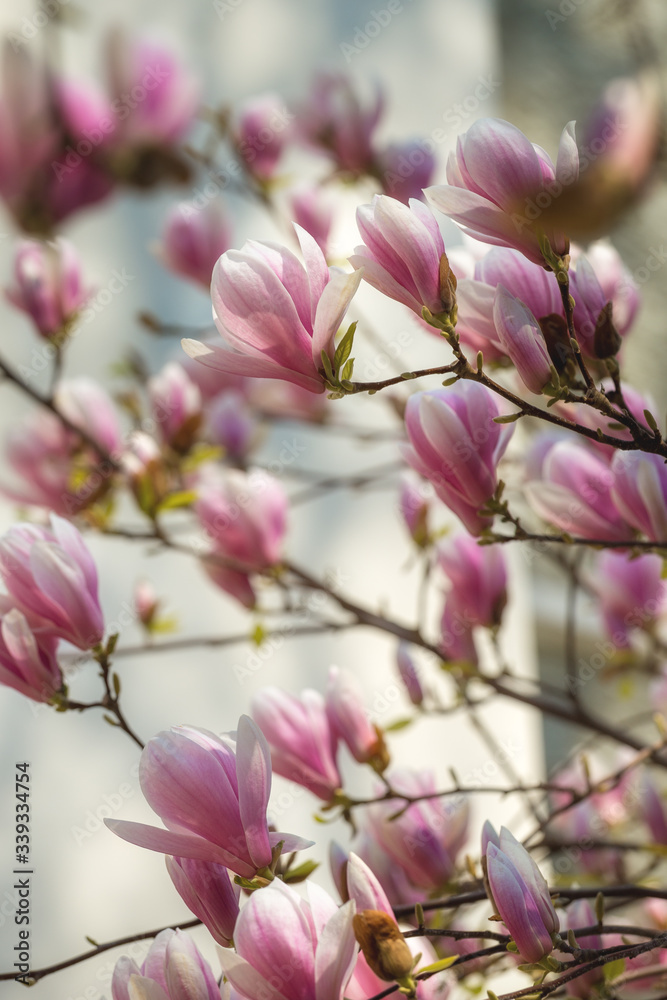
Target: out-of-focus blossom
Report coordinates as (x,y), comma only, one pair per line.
(618,153)
(652,808)
(630,592)
(193,238)
(616,281)
(521,896)
(497,180)
(424,840)
(230,423)
(288,947)
(209,892)
(52,578)
(146,602)
(172,970)
(577,493)
(212,794)
(580,913)
(48,285)
(414,507)
(404,255)
(405,169)
(287,401)
(336,121)
(87,405)
(176,406)
(303,745)
(277,315)
(260,132)
(457,445)
(521,337)
(244,514)
(640,491)
(478,594)
(313,210)
(143,465)
(27,658)
(409,674)
(349,722)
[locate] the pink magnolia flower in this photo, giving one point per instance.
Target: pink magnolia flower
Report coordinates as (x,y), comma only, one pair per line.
(303,745)
(212,794)
(260,133)
(577,493)
(53,580)
(478,594)
(349,721)
(615,279)
(27,658)
(48,285)
(193,238)
(176,406)
(405,169)
(277,315)
(244,514)
(39,451)
(414,502)
(230,423)
(89,406)
(172,970)
(497,181)
(630,592)
(403,252)
(146,602)
(336,121)
(522,339)
(313,210)
(424,840)
(536,288)
(580,913)
(208,890)
(457,444)
(521,896)
(652,808)
(640,491)
(409,674)
(290,948)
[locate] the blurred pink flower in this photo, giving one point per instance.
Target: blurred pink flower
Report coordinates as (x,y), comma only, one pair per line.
(48,285)
(193,238)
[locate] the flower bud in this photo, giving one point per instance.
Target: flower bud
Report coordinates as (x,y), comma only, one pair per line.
(384,947)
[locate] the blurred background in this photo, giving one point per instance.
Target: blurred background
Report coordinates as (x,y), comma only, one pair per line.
(441,64)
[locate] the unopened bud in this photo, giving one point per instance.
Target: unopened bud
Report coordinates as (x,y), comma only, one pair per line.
(383,945)
(447,285)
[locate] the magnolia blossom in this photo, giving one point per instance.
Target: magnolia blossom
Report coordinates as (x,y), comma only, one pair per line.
(277,316)
(409,674)
(405,169)
(478,594)
(52,578)
(176,406)
(230,422)
(172,970)
(193,238)
(28,660)
(580,913)
(313,210)
(631,592)
(303,744)
(497,181)
(335,120)
(212,794)
(260,132)
(457,444)
(209,891)
(577,492)
(48,285)
(290,948)
(520,894)
(414,502)
(522,339)
(424,839)
(349,720)
(640,491)
(86,404)
(403,254)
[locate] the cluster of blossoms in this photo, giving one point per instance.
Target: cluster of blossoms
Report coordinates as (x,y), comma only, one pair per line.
(530,326)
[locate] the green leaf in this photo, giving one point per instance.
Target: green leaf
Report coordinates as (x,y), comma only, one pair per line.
(347,370)
(328,370)
(182,498)
(258,634)
(115,680)
(301,872)
(344,349)
(164,625)
(394,727)
(613,969)
(444,963)
(508,418)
